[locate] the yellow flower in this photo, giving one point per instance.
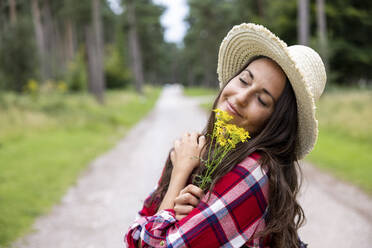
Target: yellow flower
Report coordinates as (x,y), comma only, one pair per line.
(222,142)
(62,86)
(222,115)
(225,133)
(227,136)
(32,85)
(231,142)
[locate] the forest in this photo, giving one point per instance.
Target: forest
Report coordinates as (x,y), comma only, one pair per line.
(84,46)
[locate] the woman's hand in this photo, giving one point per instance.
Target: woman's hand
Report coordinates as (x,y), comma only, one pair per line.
(187,200)
(185,156)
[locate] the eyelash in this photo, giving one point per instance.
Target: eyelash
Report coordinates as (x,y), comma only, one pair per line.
(259,99)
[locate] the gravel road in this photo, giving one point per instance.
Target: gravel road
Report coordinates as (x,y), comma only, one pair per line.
(96,212)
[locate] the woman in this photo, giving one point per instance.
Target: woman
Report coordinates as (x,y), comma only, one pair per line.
(270,90)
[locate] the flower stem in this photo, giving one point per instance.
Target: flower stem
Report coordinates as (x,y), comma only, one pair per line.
(219,160)
(211,168)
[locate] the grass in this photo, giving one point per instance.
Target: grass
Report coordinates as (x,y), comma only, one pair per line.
(196,91)
(345,134)
(46,142)
(199,91)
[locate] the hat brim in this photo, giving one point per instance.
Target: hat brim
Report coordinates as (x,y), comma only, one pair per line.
(248,40)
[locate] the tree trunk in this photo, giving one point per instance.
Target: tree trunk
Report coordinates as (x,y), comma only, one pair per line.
(322,31)
(39,33)
(12,11)
(69,39)
(94,48)
(97,27)
(260,8)
(135,50)
(49,39)
(90,58)
(303,22)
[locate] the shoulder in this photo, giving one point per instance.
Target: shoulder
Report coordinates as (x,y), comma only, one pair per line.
(247,177)
(252,165)
(251,162)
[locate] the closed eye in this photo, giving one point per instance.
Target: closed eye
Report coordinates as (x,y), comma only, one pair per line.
(262,102)
(244,82)
(259,99)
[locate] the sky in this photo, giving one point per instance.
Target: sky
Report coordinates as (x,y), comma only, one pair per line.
(172,19)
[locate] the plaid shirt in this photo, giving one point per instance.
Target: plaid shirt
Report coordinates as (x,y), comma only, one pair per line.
(235,211)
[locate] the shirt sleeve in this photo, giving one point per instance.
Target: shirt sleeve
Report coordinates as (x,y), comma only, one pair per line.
(132,236)
(148,209)
(234,212)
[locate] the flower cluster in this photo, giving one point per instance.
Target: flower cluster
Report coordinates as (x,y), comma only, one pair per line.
(34,87)
(226,136)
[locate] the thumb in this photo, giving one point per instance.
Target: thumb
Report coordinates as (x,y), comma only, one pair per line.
(202,140)
(172,156)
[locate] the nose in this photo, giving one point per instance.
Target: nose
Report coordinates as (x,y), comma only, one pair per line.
(244,95)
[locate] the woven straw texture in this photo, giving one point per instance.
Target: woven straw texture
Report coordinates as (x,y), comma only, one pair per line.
(302,65)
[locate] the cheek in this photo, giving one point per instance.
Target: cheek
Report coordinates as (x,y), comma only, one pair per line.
(230,89)
(257,119)
(224,95)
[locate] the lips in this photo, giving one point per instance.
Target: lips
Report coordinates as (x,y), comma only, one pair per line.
(232,109)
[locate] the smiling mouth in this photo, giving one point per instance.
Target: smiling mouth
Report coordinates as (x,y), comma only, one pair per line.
(231,109)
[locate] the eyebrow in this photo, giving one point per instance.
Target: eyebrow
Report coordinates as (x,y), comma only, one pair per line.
(264,90)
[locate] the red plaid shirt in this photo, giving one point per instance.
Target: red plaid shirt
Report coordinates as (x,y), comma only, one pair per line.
(235,211)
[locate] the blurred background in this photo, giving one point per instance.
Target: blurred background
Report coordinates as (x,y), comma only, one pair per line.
(75,76)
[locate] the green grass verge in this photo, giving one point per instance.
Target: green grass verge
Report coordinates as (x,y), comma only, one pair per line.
(45,143)
(196,91)
(345,134)
(199,91)
(347,158)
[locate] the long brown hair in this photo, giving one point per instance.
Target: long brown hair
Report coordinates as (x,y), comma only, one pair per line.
(276,143)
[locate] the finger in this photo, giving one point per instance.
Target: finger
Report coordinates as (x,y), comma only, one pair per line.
(194,137)
(186,198)
(172,155)
(194,190)
(202,140)
(187,189)
(202,145)
(186,135)
(180,216)
(183,209)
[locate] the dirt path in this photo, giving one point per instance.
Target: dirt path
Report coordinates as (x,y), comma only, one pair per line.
(338,214)
(97,211)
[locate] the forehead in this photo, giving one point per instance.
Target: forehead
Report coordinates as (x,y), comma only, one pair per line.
(268,75)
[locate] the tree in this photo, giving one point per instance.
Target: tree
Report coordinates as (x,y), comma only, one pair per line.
(39,35)
(17,55)
(350,50)
(322,31)
(12,11)
(94,48)
(203,38)
(135,48)
(303,22)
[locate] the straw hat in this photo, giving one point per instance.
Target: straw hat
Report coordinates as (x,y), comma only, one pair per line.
(302,65)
